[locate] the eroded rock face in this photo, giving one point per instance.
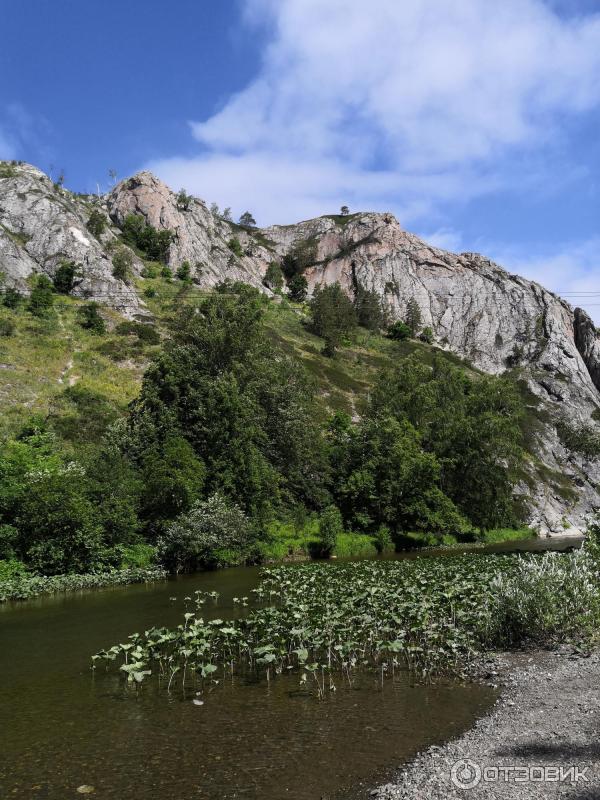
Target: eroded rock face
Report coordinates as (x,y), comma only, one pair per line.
(41,226)
(199,237)
(475,309)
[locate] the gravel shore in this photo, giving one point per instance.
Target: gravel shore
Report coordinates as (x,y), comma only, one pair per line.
(547,717)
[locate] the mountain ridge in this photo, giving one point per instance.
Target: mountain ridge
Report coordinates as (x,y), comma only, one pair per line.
(495,319)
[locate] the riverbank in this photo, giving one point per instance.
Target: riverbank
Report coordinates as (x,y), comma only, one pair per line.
(25,586)
(547,715)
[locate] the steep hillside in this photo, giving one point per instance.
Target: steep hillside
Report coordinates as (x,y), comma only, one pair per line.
(477,311)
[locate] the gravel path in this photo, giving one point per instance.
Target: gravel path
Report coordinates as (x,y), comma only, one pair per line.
(548,715)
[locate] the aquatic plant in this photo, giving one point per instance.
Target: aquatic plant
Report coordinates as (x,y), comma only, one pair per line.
(26,586)
(428,615)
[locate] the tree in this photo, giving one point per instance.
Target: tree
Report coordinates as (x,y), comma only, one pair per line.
(297,288)
(90,319)
(273,277)
(344,211)
(399,331)
(333,315)
(227,214)
(369,310)
(96,223)
(112,174)
(184,200)
(247,220)
(330,527)
(214,210)
(302,254)
(122,263)
(413,316)
(245,408)
(41,298)
(391,481)
(472,426)
(184,272)
(64,277)
(199,538)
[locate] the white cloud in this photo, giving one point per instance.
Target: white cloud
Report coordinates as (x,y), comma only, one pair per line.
(406,104)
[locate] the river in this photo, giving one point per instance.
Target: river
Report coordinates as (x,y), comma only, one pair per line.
(63,727)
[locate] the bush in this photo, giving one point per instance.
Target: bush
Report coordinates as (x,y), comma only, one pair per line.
(298,288)
(235,246)
(122,263)
(273,277)
(426,335)
(90,319)
(383,539)
(196,539)
(96,224)
(7,327)
(330,526)
(41,298)
(399,331)
(184,272)
(184,200)
(12,298)
(64,277)
(153,243)
(144,332)
(150,292)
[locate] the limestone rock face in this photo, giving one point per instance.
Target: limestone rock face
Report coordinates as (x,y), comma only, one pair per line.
(199,237)
(475,309)
(42,225)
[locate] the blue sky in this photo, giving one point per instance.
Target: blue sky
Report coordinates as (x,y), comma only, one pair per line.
(475,122)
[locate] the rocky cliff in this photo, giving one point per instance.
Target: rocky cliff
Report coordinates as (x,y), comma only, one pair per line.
(475,308)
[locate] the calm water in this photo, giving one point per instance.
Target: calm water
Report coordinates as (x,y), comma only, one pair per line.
(62,727)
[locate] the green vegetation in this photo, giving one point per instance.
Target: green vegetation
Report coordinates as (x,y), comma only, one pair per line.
(297,288)
(64,277)
(96,223)
(273,277)
(235,247)
(184,200)
(152,243)
(238,401)
(21,585)
(122,263)
(428,615)
(41,298)
(333,316)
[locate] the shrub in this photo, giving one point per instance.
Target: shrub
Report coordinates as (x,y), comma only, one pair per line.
(41,298)
(151,270)
(399,331)
(64,277)
(273,277)
(184,271)
(426,335)
(153,243)
(193,540)
(166,273)
(144,332)
(90,319)
(150,292)
(330,526)
(298,288)
(7,327)
(96,224)
(12,298)
(301,255)
(383,539)
(122,263)
(235,246)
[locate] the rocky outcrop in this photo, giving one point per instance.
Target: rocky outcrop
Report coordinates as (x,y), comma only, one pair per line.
(203,239)
(42,225)
(475,309)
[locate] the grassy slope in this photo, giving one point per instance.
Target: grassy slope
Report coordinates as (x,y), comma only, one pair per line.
(53,366)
